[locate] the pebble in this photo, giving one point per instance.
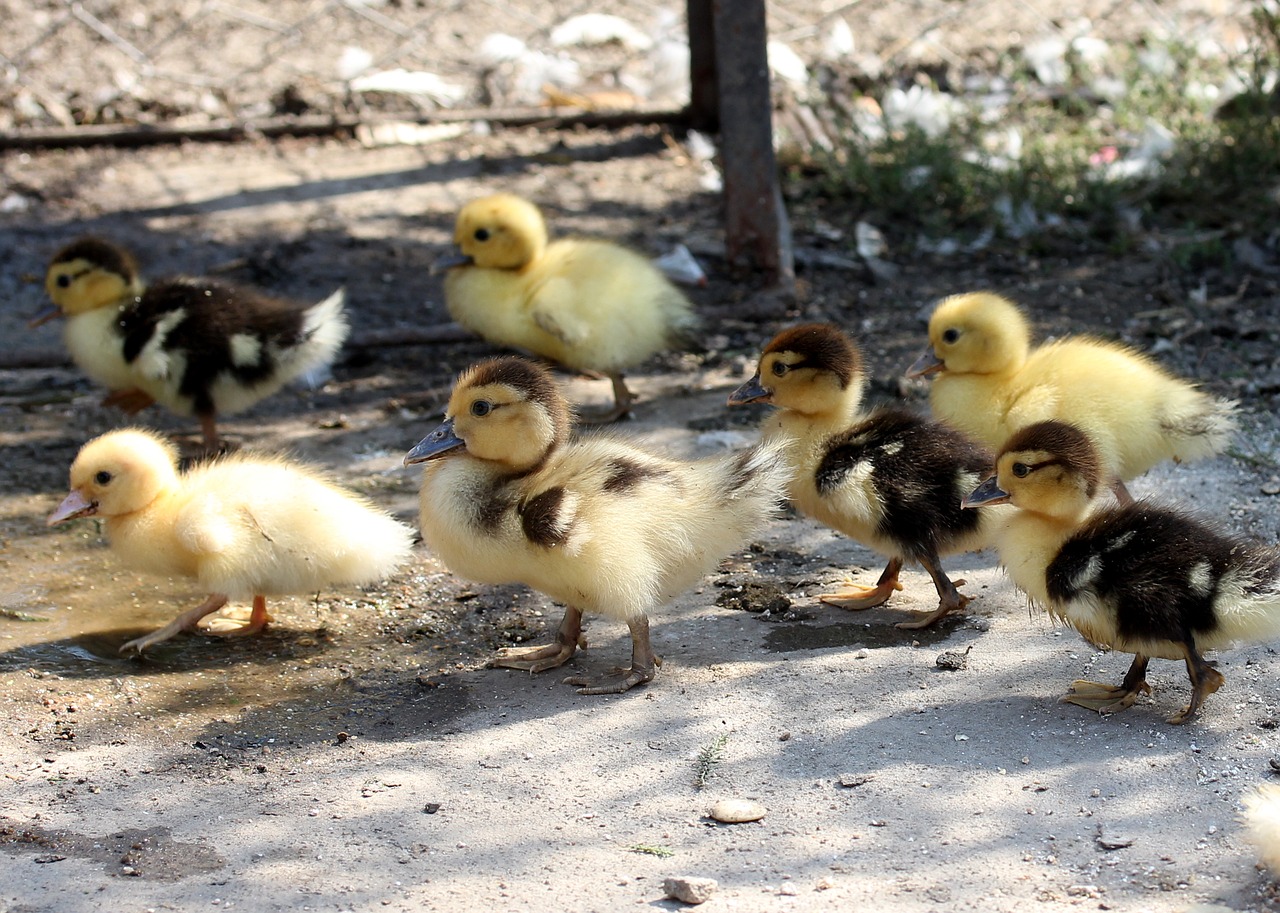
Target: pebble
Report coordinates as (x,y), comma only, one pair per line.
(737,811)
(953,660)
(691,890)
(1271,486)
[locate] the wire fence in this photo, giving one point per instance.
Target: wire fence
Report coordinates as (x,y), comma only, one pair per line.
(200,62)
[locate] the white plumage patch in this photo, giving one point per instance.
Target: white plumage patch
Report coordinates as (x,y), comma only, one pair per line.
(1200,578)
(154,359)
(891,448)
(1262,822)
(1120,541)
(245,350)
(1087,574)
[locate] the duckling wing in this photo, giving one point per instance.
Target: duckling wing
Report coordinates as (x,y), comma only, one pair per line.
(555,312)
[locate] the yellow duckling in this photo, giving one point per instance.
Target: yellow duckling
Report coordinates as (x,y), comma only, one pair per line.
(198,346)
(990,383)
(243,526)
(1262,823)
(598,524)
(587,304)
(891,479)
(1137,577)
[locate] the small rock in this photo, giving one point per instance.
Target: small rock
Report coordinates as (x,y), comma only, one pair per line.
(953,660)
(849,781)
(737,811)
(1112,841)
(1271,486)
(690,890)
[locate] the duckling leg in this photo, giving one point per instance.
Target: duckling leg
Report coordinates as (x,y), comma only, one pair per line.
(644,665)
(1121,492)
(226,627)
(1204,681)
(187,621)
(1111,698)
(548,656)
(622,400)
(209,431)
(130,402)
(855,597)
(949,598)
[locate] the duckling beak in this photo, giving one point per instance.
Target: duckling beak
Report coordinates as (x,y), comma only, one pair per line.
(986,494)
(435,444)
(44,317)
(72,506)
(449,261)
(751,392)
(927,363)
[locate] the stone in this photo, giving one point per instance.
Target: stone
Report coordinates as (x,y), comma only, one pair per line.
(691,890)
(737,811)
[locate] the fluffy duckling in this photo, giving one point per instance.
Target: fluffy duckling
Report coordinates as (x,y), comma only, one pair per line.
(891,479)
(1262,823)
(587,304)
(1137,577)
(243,526)
(990,383)
(598,524)
(199,346)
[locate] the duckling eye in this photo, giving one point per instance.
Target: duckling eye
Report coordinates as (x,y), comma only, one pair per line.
(482,234)
(480,408)
(1021,470)
(780,368)
(103,477)
(951,335)
(64,281)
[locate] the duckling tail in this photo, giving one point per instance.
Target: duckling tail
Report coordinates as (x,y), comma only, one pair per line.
(324,330)
(761,472)
(1248,596)
(1198,425)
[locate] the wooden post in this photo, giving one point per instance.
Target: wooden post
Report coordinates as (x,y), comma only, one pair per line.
(756,226)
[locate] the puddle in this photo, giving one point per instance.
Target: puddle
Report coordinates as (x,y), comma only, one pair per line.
(880,632)
(151,854)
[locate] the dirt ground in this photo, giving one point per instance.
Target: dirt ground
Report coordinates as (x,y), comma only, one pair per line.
(359,755)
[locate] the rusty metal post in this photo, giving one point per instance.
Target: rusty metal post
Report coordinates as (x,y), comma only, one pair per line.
(755,220)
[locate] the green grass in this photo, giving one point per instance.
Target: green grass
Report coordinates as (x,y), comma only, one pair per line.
(708,759)
(649,849)
(1222,174)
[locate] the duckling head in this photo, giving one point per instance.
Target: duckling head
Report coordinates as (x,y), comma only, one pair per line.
(507,411)
(813,368)
(502,231)
(117,474)
(90,273)
(1050,468)
(974,333)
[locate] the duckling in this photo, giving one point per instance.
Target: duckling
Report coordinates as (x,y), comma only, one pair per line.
(1262,823)
(1138,578)
(889,479)
(597,523)
(199,346)
(243,526)
(587,304)
(990,383)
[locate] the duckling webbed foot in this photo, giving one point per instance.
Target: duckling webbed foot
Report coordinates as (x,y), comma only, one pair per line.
(1204,681)
(547,656)
(187,621)
(229,627)
(131,402)
(949,598)
(1108,699)
(855,598)
(644,666)
(622,400)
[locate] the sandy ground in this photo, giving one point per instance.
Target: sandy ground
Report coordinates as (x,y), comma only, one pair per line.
(358,756)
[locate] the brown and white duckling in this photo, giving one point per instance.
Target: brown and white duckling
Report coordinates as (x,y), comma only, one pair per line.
(890,479)
(588,304)
(1138,578)
(198,346)
(243,526)
(990,382)
(597,523)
